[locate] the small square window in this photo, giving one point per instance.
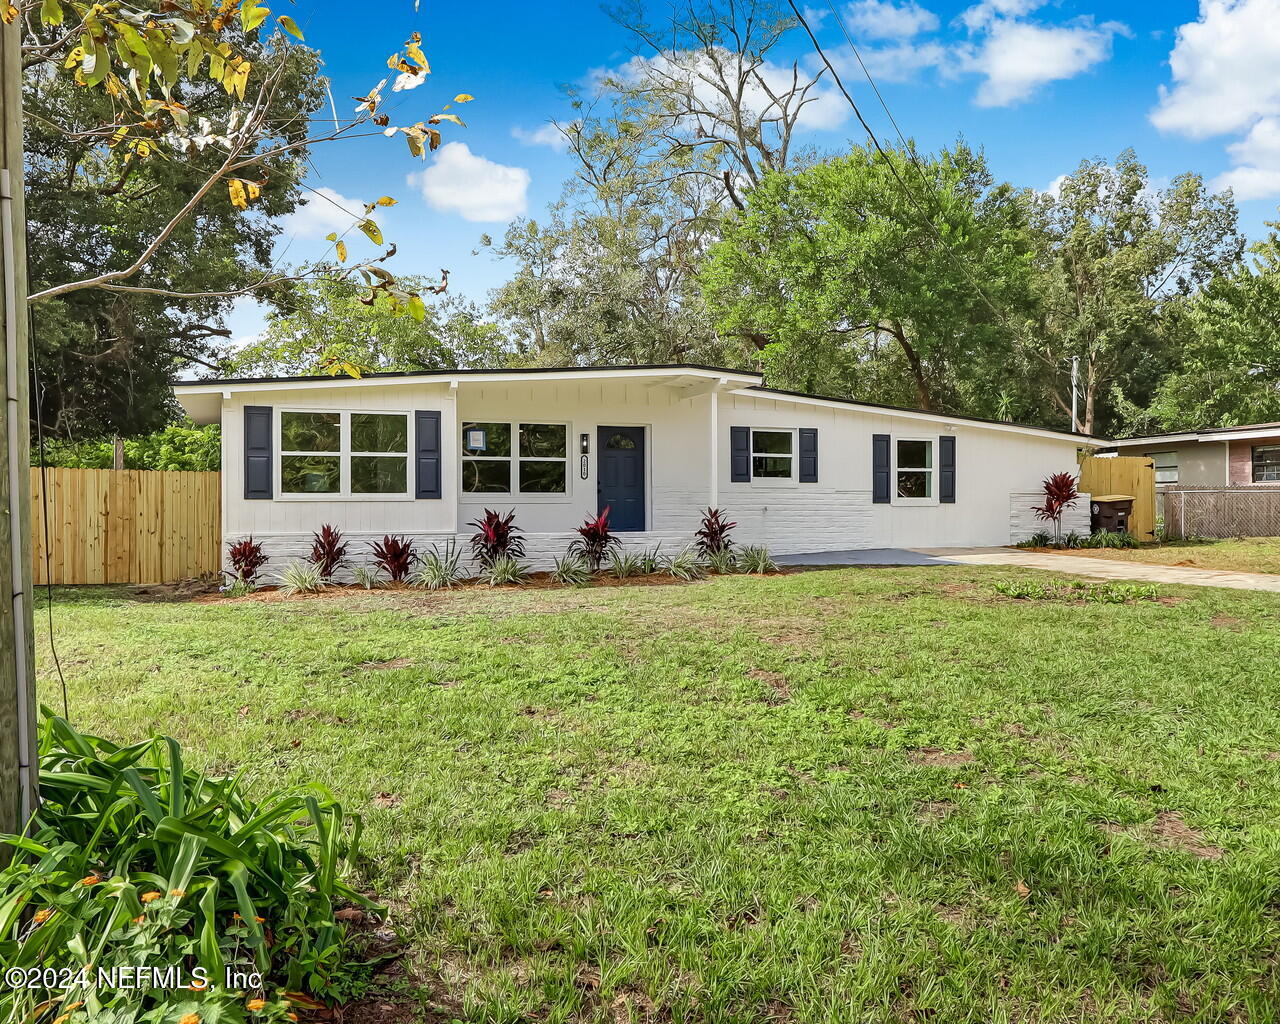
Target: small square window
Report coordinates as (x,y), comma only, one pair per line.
(914,471)
(772,454)
(1266,464)
(1166,466)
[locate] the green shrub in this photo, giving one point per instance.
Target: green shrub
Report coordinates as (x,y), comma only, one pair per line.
(1077,590)
(651,560)
(134,861)
(176,447)
(756,560)
(1104,539)
(302,578)
(1039,539)
(503,569)
(439,569)
(572,569)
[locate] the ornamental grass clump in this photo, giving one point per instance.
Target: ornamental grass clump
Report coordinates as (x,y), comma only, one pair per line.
(439,570)
(685,565)
(503,569)
(756,560)
(571,569)
(302,578)
(134,861)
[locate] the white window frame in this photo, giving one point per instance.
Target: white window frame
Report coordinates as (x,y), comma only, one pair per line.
(344,453)
(515,458)
(1177,467)
(932,470)
(775,481)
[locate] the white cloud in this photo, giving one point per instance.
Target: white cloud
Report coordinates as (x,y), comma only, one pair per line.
(1017,57)
(980,15)
(544,135)
(1257,158)
(899,62)
(1224,68)
(476,189)
(1054,188)
(325,211)
(883,19)
(815,16)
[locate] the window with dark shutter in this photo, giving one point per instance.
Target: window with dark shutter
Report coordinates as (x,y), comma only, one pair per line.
(258,457)
(426,448)
(880,471)
(947,469)
(808,455)
(740,454)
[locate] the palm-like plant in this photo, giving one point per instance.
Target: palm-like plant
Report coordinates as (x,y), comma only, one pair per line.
(1060,494)
(713,535)
(495,537)
(328,550)
(394,556)
(594,541)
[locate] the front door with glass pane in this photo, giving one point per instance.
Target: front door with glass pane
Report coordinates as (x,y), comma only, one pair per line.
(620,476)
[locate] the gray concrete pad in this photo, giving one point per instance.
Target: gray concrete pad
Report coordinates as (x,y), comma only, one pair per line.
(863,556)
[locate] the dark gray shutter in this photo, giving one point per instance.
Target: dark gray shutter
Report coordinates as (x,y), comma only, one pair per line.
(740,454)
(880,474)
(947,469)
(808,455)
(258,457)
(426,448)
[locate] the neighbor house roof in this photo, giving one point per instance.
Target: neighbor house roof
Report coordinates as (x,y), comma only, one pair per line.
(717,377)
(1241,433)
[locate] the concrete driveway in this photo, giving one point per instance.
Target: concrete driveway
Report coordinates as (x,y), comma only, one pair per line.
(1073,565)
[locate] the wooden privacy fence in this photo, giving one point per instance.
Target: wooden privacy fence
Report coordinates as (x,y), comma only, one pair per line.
(126,525)
(1123,475)
(1243,511)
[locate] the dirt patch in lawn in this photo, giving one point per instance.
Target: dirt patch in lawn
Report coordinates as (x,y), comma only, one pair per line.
(935,757)
(777,683)
(182,590)
(1170,832)
(1227,622)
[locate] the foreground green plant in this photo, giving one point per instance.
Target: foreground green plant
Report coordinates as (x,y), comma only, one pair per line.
(685,565)
(1099,593)
(571,569)
(624,564)
(756,560)
(503,569)
(134,861)
(302,578)
(368,577)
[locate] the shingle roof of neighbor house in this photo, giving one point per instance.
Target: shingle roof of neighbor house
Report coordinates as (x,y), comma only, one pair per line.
(675,369)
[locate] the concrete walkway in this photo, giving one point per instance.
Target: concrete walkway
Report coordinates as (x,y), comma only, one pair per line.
(1073,565)
(1107,568)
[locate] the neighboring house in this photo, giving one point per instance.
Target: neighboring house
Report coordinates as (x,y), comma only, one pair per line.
(422,454)
(1218,457)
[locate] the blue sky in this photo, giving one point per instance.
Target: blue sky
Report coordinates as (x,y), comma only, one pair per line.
(1039,86)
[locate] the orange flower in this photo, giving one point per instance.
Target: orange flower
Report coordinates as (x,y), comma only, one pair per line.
(256,1004)
(90,880)
(139,919)
(177,893)
(292,1016)
(43,915)
(147,897)
(189,1018)
(198,985)
(259,919)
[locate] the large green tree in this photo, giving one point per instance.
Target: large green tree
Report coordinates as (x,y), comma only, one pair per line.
(1117,261)
(325,326)
(850,283)
(1229,370)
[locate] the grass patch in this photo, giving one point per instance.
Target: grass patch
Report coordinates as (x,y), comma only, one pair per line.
(1244,554)
(874,795)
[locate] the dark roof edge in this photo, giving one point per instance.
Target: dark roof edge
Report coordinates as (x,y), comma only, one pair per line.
(1193,433)
(210,381)
(925,412)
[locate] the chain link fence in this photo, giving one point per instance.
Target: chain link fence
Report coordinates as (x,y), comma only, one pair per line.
(1220,512)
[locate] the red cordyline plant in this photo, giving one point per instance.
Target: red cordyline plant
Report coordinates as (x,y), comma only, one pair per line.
(713,536)
(495,537)
(328,550)
(246,559)
(394,556)
(1059,495)
(595,541)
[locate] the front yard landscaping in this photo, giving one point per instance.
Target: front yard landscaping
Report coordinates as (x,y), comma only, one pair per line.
(858,795)
(1244,554)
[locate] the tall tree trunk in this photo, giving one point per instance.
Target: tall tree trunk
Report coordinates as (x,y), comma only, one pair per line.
(924,399)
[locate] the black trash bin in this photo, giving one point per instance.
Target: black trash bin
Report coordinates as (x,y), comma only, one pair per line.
(1109,513)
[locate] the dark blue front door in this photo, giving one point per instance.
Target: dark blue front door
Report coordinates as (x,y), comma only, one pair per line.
(620,476)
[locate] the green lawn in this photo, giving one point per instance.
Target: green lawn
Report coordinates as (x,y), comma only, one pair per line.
(841,796)
(1245,554)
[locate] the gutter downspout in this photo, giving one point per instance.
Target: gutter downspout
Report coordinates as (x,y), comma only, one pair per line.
(15,422)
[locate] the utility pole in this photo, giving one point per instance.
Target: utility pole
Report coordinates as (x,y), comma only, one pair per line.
(17,646)
(1075,391)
